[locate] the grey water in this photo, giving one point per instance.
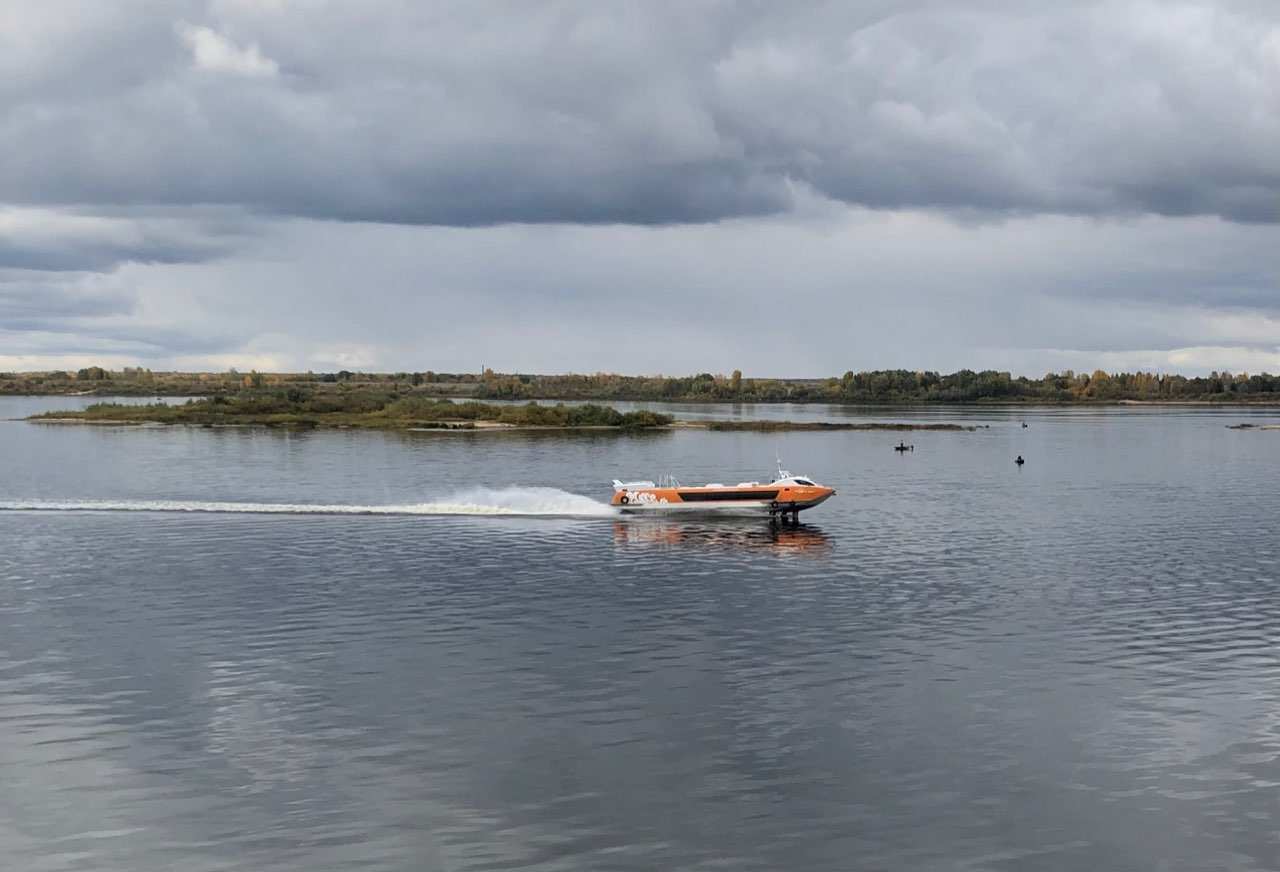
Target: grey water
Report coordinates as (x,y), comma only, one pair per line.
(208,661)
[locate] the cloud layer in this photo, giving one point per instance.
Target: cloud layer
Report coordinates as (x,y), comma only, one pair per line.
(491,112)
(920,183)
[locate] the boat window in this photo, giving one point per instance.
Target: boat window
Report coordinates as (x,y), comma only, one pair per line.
(805,482)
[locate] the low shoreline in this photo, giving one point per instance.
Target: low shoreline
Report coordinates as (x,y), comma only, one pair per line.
(792,426)
(756,426)
(204,392)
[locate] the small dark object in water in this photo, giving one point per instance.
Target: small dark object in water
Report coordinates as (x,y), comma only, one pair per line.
(1019,461)
(1024,425)
(902,446)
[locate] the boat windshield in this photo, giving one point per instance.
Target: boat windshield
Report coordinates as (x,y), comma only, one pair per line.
(805,482)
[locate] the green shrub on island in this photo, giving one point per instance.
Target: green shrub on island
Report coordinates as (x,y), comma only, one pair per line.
(527,415)
(159,412)
(357,408)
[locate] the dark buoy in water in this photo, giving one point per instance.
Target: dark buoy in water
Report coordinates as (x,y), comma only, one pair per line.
(1024,425)
(1019,461)
(902,446)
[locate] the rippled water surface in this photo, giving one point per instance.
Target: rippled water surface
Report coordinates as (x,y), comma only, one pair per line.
(256,650)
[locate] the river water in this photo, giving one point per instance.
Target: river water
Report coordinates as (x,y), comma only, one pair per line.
(244,649)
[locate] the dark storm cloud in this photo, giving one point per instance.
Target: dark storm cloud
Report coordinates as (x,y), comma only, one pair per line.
(136,347)
(77,313)
(482,113)
(78,252)
(82,309)
(61,274)
(34,240)
(32,301)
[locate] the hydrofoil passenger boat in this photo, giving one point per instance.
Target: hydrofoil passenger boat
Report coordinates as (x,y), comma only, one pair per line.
(786,495)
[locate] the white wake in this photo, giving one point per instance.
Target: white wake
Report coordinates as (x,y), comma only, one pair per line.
(517,501)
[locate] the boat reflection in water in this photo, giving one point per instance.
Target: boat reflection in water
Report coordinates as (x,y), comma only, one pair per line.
(805,540)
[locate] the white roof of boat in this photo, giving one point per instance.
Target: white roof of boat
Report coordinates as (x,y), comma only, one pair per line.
(670,481)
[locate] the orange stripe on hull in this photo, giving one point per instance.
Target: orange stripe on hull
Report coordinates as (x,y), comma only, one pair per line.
(781,497)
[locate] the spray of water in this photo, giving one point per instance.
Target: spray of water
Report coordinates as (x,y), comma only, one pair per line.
(526,501)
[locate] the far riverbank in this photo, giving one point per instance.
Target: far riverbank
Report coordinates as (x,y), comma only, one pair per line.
(878,387)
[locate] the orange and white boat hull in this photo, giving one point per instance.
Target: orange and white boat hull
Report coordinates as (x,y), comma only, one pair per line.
(772,499)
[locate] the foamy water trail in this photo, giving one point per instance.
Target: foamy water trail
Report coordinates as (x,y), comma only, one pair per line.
(527,501)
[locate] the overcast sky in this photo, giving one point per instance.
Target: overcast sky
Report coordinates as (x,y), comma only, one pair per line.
(789,189)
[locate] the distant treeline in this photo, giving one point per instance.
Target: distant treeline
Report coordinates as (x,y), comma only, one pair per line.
(891,386)
(138,381)
(881,386)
